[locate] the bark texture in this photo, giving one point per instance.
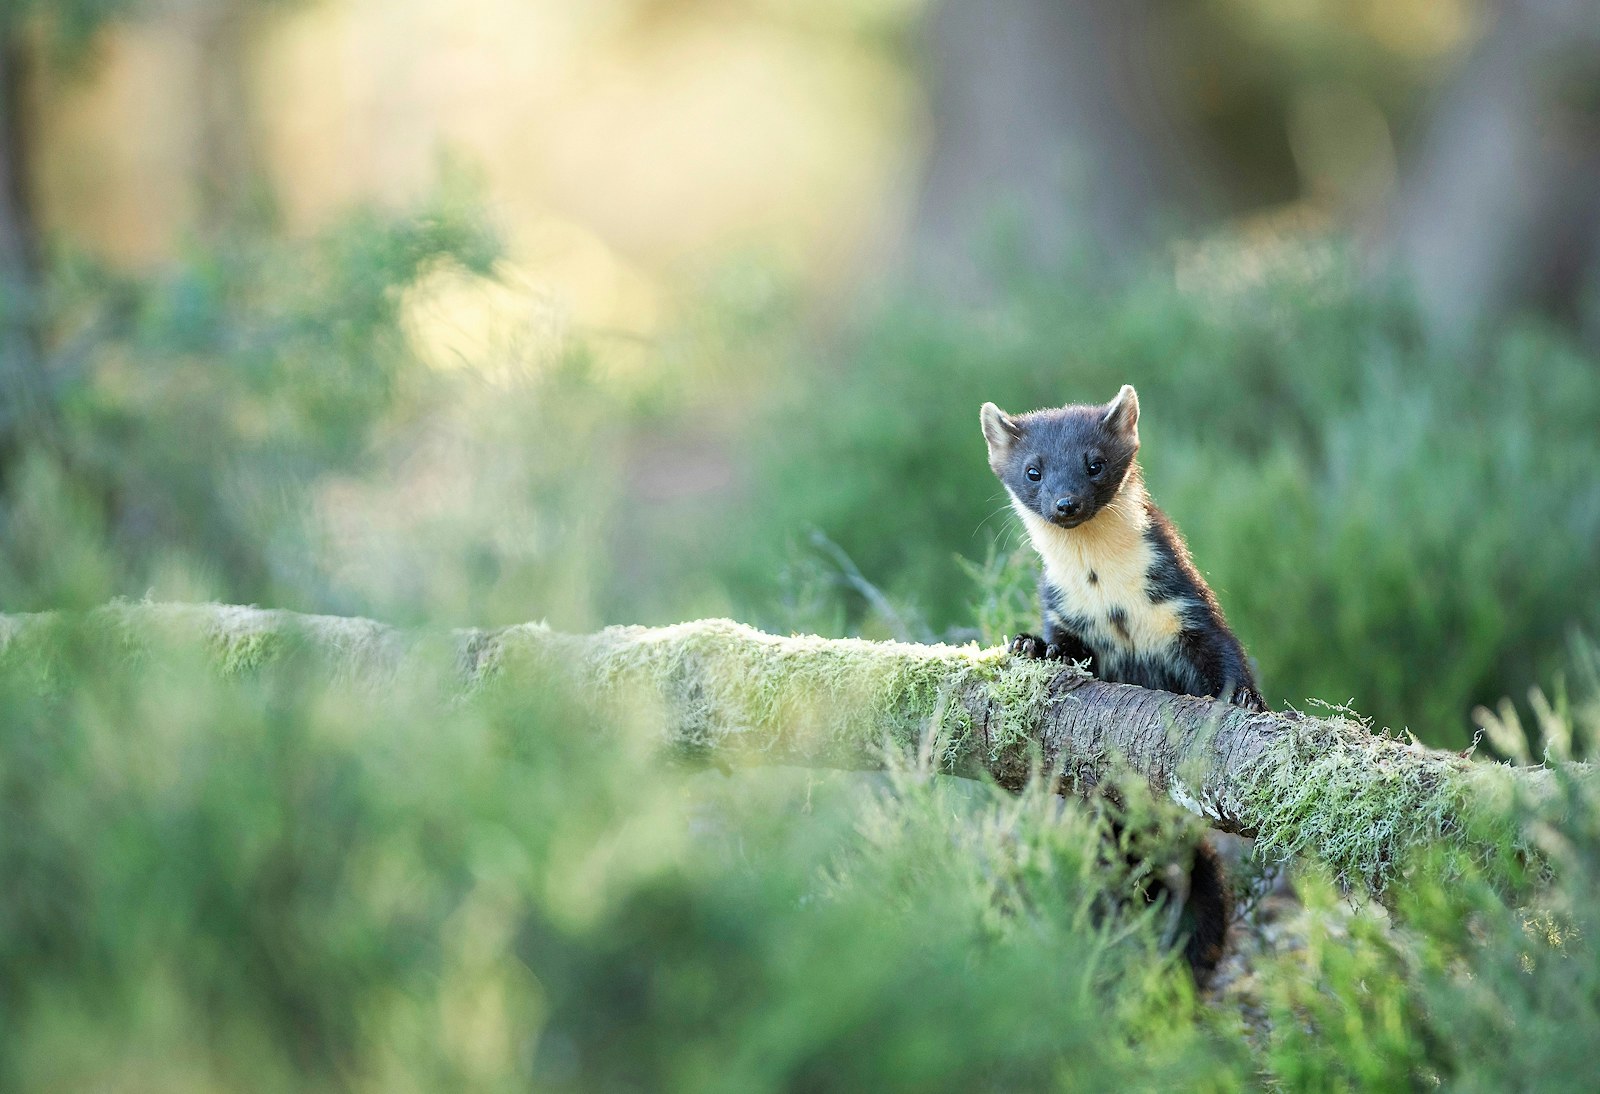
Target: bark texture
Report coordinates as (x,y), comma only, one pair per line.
(721,692)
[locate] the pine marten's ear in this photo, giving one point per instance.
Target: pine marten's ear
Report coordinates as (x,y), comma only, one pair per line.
(1122,416)
(999,428)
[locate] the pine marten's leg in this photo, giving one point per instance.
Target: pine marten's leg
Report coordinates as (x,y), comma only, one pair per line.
(1223,669)
(1061,642)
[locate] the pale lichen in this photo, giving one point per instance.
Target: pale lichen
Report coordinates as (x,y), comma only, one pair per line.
(1359,802)
(716,685)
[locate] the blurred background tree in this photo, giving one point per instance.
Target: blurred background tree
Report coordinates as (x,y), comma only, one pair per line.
(1113,123)
(1501,207)
(1066,120)
(27,30)
(1050,126)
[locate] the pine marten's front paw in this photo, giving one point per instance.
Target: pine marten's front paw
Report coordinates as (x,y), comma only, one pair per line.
(1249,699)
(1036,649)
(1029,646)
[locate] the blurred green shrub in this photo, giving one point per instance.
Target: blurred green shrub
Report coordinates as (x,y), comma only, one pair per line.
(198,402)
(1462,986)
(274,882)
(1384,523)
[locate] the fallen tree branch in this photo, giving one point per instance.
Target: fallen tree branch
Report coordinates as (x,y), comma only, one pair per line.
(725,693)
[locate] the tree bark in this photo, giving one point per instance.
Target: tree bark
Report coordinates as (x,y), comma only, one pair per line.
(719,692)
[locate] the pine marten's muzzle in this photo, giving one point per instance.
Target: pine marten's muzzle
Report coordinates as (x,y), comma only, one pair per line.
(1069,511)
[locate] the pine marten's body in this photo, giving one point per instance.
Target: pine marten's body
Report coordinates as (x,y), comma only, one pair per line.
(1119,590)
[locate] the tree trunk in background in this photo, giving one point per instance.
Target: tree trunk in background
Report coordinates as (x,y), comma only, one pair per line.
(1052,124)
(1502,206)
(230,166)
(28,413)
(26,408)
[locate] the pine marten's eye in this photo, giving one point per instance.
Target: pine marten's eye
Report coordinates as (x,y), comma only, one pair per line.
(1094,465)
(1033,473)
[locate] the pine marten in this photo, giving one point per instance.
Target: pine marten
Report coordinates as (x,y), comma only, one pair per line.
(1119,590)
(1120,593)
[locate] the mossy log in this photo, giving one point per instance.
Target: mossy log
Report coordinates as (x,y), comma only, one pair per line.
(727,694)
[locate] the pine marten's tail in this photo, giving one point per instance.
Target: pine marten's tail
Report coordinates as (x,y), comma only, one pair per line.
(1207,913)
(1202,885)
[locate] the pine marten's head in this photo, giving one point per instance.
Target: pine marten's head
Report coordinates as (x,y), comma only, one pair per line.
(1068,463)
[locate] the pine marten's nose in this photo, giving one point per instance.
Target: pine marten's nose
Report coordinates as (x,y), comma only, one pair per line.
(1067,507)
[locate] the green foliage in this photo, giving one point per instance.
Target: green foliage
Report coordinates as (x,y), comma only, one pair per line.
(271,881)
(1461,987)
(1386,526)
(1007,585)
(1467,983)
(199,403)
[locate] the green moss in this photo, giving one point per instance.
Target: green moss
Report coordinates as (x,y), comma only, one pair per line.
(238,652)
(845,700)
(1021,688)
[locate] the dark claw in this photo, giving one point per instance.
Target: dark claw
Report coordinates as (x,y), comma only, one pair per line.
(1026,645)
(1249,699)
(1031,646)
